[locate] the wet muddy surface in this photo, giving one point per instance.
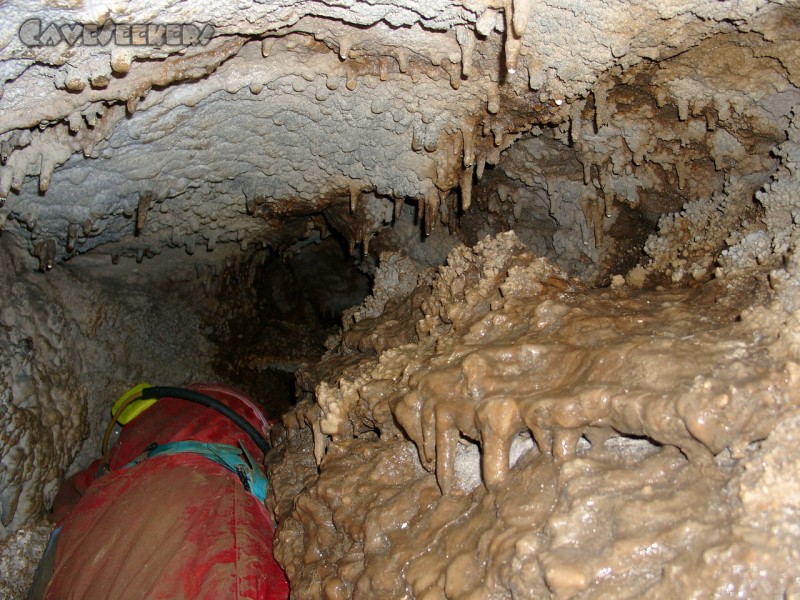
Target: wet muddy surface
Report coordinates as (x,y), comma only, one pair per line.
(537,438)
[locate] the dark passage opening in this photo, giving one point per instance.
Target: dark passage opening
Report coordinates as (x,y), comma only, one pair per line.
(276,310)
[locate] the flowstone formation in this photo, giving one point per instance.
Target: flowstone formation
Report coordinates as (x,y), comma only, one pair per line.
(529,437)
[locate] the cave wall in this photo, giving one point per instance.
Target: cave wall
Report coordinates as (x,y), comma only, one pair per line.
(72,342)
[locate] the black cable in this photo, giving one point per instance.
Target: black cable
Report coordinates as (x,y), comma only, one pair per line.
(158,392)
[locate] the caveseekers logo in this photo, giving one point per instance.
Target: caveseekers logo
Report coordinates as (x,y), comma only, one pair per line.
(35,33)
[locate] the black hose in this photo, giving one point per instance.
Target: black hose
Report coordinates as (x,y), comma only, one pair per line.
(159,392)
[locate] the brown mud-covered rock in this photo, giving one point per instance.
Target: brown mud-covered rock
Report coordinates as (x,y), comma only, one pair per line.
(540,438)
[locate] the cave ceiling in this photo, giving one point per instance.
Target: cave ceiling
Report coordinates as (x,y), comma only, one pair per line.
(280,110)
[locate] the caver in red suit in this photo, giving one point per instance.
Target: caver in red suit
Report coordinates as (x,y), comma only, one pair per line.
(177,525)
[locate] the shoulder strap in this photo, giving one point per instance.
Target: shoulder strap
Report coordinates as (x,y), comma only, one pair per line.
(236,460)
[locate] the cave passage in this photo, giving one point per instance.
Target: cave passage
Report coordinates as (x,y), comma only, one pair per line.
(276,312)
(516,284)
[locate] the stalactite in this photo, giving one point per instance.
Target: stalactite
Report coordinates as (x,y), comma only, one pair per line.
(383,68)
(266,46)
(145,200)
(131,104)
(466,187)
(680,171)
(513,40)
(513,49)
(486,22)
(493,102)
(45,251)
(466,41)
(402,60)
(480,166)
(75,121)
(576,120)
(431,137)
(683,108)
(46,166)
(355,195)
(603,109)
(468,142)
(454,73)
(72,236)
(417,137)
(345,44)
(522,12)
(351,80)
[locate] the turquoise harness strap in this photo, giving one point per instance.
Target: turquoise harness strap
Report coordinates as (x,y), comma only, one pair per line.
(236,460)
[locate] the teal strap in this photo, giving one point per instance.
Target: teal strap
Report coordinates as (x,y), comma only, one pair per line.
(236,460)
